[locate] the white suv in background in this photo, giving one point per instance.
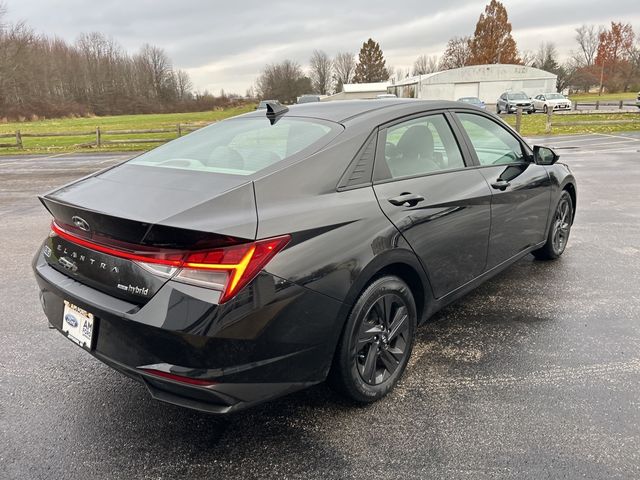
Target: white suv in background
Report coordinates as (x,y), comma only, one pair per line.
(553,101)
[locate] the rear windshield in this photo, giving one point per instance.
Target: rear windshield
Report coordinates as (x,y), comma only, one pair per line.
(241,146)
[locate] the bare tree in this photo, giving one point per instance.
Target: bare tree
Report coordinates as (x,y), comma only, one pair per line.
(528,58)
(46,76)
(588,38)
(321,71)
(283,81)
(344,68)
(157,66)
(456,54)
(425,64)
(546,58)
(183,84)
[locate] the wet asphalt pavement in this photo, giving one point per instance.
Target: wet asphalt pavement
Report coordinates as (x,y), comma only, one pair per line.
(533,375)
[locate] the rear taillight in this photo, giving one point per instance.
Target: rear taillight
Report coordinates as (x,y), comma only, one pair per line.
(232,267)
(226,269)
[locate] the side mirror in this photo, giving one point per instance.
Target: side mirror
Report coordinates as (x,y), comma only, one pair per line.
(544,155)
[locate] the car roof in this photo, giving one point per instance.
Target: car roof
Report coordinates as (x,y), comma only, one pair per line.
(341,111)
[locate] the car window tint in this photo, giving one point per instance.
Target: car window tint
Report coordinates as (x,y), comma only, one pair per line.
(493,144)
(421,145)
(240,146)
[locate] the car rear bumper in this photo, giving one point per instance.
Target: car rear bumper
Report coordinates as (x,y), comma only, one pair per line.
(275,337)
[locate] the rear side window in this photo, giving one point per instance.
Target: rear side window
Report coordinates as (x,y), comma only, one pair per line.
(493,144)
(420,146)
(241,146)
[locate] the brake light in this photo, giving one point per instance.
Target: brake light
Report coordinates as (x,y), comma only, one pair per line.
(225,269)
(241,263)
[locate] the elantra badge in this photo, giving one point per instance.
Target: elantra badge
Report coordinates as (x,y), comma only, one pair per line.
(81,223)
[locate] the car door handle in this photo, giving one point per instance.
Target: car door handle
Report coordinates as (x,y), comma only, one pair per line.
(500,184)
(409,199)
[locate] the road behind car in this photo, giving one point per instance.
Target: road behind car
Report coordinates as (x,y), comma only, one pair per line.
(536,374)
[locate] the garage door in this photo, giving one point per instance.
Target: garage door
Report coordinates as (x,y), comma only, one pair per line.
(466,90)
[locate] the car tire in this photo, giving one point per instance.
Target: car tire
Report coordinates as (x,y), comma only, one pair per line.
(559,230)
(498,109)
(376,342)
(545,109)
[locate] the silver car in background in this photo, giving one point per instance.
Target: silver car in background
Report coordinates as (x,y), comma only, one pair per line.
(551,101)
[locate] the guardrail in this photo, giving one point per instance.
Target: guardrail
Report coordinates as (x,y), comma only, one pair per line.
(99,135)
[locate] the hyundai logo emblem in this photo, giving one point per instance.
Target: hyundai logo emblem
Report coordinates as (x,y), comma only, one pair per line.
(81,223)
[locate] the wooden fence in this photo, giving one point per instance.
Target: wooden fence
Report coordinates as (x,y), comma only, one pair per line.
(597,105)
(99,136)
(551,122)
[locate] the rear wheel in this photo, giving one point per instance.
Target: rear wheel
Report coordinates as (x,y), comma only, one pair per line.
(376,342)
(559,231)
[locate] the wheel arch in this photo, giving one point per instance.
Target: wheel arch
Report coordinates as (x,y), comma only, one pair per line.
(571,189)
(403,264)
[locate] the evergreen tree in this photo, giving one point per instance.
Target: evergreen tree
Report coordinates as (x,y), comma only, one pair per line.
(371,65)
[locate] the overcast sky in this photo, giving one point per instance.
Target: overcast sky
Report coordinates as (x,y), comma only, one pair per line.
(226,44)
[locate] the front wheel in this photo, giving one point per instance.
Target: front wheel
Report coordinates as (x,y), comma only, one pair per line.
(559,232)
(376,342)
(545,109)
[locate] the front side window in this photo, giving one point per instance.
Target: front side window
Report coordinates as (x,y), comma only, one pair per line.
(420,146)
(240,146)
(493,144)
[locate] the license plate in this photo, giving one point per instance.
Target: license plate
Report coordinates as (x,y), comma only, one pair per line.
(77,323)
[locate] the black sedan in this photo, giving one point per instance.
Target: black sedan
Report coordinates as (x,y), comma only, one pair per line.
(277,249)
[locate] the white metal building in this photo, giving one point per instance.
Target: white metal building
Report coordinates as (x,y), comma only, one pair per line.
(487,82)
(352,91)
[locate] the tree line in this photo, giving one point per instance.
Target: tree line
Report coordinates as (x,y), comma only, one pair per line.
(41,76)
(607,58)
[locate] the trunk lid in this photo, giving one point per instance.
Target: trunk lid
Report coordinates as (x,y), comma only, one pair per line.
(133,206)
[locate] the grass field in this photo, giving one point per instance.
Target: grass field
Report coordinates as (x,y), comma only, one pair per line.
(120,122)
(531,125)
(605,97)
(535,124)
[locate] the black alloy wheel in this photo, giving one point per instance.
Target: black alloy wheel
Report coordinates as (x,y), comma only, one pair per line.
(560,229)
(377,341)
(382,339)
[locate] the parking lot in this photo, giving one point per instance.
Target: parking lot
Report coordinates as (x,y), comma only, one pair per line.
(536,374)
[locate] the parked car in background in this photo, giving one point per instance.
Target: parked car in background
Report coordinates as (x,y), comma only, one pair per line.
(308,98)
(551,101)
(475,101)
(510,101)
(263,253)
(638,100)
(387,95)
(263,104)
